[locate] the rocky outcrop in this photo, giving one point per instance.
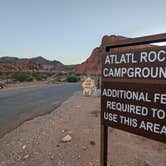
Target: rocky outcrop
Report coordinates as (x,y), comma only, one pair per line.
(26,65)
(93,64)
(33,64)
(47,64)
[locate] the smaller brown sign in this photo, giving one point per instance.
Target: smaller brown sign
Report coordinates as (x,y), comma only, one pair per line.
(88,84)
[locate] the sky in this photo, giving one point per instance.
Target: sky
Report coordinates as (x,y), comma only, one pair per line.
(68,30)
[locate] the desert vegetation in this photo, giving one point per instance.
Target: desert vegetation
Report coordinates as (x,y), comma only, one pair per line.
(72,77)
(8,77)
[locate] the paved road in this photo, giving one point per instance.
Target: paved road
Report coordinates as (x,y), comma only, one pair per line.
(19,105)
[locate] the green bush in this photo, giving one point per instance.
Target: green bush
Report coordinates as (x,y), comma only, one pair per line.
(22,76)
(39,76)
(72,78)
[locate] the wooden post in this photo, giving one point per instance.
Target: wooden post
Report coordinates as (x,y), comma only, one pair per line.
(104,145)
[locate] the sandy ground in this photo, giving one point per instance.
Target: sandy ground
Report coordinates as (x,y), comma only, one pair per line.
(39,142)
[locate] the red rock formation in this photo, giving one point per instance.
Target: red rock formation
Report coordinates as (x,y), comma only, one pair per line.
(58,67)
(31,65)
(93,64)
(27,65)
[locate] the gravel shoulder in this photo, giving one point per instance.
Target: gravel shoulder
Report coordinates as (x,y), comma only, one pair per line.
(40,142)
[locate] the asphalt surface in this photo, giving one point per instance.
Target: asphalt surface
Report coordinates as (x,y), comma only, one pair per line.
(17,106)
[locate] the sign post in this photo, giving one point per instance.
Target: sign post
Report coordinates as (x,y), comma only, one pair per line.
(104,145)
(133,94)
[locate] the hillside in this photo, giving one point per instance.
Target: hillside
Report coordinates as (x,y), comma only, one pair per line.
(37,63)
(46,63)
(10,60)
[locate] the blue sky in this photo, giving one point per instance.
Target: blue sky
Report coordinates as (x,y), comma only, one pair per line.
(68,30)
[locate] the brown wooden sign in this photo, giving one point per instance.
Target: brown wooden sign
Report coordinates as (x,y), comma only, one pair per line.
(133,93)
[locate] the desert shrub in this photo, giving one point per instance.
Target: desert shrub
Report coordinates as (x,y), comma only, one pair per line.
(72,78)
(39,76)
(22,76)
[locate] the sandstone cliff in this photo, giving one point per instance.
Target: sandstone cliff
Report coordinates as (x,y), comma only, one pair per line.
(93,64)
